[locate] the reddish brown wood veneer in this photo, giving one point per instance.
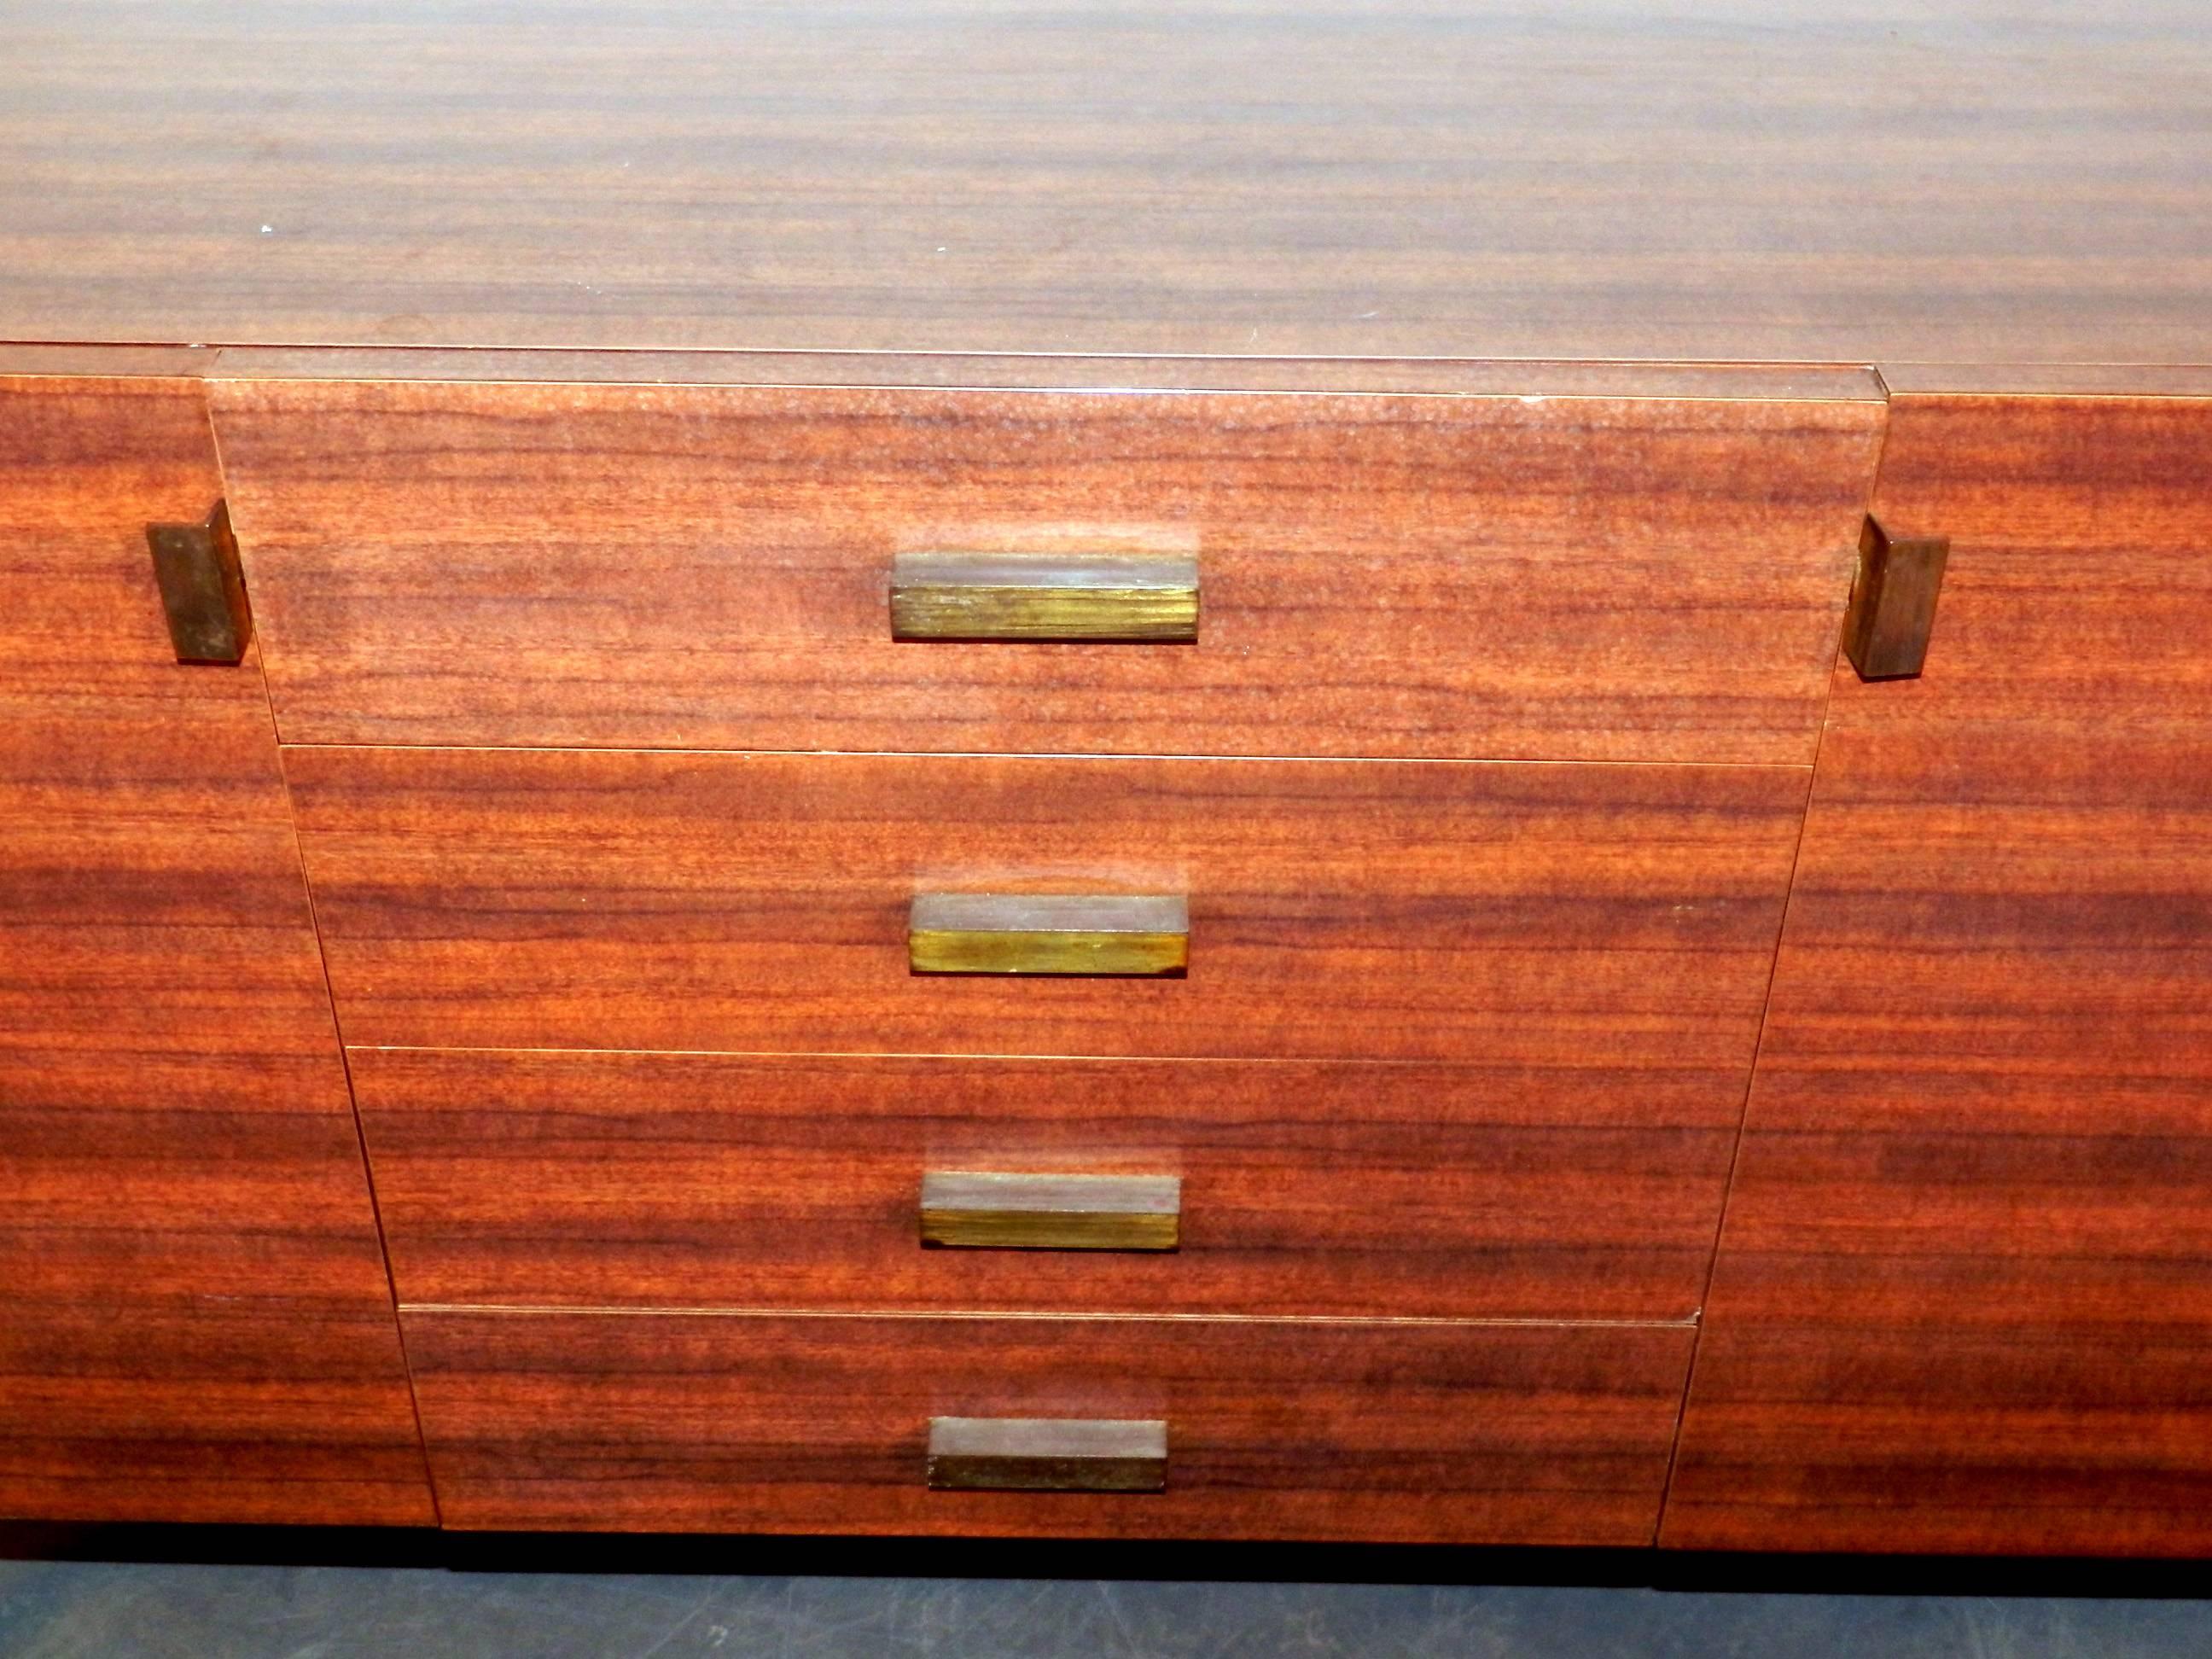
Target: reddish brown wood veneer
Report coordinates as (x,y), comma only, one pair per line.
(2005,181)
(1558,1192)
(1600,578)
(1964,1298)
(578,381)
(194,1318)
(1520,916)
(216,1410)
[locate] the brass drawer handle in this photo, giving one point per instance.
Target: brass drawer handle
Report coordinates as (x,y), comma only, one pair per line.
(1117,933)
(1048,1454)
(977,1210)
(1104,597)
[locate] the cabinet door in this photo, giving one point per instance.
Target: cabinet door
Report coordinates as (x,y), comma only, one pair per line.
(1963,1297)
(195,1323)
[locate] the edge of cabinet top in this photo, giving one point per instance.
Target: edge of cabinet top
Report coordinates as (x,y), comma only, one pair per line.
(1998,184)
(946,372)
(1018,372)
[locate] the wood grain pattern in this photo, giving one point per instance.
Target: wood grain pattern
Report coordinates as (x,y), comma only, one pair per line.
(1602,578)
(1522,914)
(219,1411)
(180,1179)
(1857,181)
(1432,1433)
(1964,1299)
(2087,611)
(1569,1188)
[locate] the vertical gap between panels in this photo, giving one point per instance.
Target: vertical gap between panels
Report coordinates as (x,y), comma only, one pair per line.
(1766,1010)
(330,995)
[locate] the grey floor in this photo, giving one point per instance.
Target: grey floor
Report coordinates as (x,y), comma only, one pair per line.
(61,1600)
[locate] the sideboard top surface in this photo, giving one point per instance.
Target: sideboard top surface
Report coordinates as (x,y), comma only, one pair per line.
(2019,183)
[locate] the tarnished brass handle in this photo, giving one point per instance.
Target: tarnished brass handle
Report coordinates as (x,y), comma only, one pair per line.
(1102,597)
(965,1209)
(1118,933)
(1892,603)
(1048,1454)
(203,588)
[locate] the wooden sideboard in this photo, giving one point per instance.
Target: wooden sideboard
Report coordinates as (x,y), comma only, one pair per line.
(1076,773)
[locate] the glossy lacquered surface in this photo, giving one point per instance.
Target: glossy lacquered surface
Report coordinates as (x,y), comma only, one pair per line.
(1460,1433)
(1511,389)
(1591,577)
(1963,1297)
(194,1318)
(1520,914)
(1563,1189)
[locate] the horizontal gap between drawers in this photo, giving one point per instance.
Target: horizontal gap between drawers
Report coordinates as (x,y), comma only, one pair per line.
(1021,1058)
(1050,754)
(626,1312)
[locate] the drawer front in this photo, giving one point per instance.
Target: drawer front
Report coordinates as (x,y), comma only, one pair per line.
(709,568)
(1295,1430)
(1520,915)
(726,1180)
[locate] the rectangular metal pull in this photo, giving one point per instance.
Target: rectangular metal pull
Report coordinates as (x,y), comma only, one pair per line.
(203,589)
(1102,597)
(1892,606)
(1115,933)
(977,1210)
(1048,1454)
